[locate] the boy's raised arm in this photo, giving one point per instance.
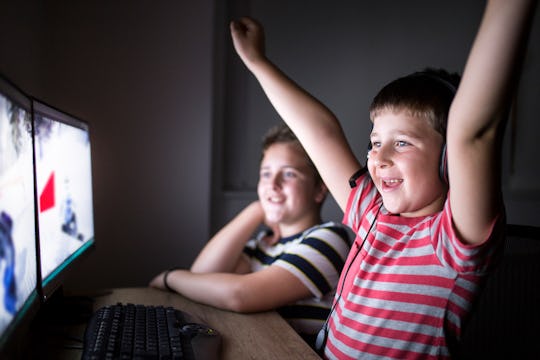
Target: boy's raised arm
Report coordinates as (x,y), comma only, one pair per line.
(313,123)
(224,251)
(476,119)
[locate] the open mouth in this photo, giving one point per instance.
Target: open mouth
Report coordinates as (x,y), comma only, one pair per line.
(275,200)
(389,184)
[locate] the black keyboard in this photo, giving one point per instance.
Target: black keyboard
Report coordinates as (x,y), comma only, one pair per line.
(128,331)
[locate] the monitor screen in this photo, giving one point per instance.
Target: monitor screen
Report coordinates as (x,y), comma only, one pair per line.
(64,192)
(18,262)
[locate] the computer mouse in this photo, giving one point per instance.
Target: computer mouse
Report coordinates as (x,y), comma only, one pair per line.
(195,329)
(205,341)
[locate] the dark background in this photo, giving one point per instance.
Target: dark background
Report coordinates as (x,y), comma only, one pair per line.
(176,120)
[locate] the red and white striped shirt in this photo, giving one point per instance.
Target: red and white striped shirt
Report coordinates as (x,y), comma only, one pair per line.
(409,285)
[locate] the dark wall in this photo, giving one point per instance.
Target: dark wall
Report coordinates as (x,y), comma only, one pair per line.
(176,119)
(343,52)
(140,73)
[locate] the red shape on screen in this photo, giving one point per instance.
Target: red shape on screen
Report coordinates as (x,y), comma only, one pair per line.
(46,199)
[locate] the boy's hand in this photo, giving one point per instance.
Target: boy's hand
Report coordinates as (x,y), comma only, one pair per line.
(157,282)
(248,39)
(273,237)
(275,234)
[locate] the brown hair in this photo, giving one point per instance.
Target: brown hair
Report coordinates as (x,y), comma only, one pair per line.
(280,134)
(427,94)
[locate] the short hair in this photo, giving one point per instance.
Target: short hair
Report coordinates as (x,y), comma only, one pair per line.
(427,94)
(282,134)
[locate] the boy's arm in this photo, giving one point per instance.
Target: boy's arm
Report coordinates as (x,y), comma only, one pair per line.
(223,253)
(476,118)
(313,123)
(262,290)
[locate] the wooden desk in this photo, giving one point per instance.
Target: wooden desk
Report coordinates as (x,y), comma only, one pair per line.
(245,336)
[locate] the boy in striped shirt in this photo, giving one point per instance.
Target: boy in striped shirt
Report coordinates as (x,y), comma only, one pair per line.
(294,268)
(427,208)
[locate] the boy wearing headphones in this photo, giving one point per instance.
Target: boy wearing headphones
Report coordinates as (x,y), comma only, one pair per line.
(426,239)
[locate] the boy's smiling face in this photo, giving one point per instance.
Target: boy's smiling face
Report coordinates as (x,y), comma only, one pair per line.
(288,190)
(404,164)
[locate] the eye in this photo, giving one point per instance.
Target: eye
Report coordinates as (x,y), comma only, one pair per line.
(265,174)
(289,174)
(401,143)
(375,144)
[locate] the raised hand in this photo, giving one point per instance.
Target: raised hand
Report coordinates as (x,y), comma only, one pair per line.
(248,39)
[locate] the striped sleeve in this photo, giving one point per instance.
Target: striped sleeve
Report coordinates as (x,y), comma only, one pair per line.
(464,258)
(317,259)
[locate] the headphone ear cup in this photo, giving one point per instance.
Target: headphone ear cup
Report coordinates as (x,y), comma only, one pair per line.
(443,166)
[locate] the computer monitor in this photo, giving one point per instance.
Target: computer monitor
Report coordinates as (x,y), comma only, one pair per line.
(64,193)
(19,300)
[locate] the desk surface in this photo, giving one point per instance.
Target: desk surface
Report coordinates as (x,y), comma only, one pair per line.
(245,336)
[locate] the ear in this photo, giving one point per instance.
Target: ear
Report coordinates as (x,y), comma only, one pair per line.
(321,193)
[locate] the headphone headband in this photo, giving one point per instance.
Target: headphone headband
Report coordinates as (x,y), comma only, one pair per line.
(434,76)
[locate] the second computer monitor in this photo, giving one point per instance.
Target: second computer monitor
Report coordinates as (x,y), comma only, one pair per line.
(64,192)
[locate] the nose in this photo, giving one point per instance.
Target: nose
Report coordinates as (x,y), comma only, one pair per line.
(275,181)
(381,156)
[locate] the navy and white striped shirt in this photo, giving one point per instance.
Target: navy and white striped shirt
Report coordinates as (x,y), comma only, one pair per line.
(316,257)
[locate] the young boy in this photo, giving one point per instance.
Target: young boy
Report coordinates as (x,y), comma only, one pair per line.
(294,269)
(424,244)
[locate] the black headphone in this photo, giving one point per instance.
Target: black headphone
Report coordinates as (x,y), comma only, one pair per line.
(443,160)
